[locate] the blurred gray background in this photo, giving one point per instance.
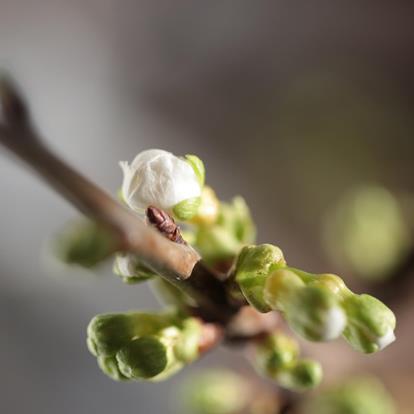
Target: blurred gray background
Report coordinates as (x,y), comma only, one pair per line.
(288,103)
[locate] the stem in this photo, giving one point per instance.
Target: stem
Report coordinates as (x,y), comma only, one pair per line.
(177,263)
(174,262)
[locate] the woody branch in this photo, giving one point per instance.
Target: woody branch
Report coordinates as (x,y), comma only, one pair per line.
(177,263)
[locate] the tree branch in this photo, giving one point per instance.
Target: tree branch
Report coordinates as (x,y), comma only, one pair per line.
(177,263)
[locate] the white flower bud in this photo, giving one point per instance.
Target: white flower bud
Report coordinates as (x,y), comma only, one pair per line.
(158,178)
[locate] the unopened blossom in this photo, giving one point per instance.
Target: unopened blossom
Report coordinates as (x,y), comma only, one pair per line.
(159,178)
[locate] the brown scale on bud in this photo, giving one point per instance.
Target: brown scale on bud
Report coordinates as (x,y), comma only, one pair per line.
(165,224)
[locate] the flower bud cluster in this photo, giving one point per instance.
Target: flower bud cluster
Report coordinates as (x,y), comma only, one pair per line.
(222,238)
(277,357)
(316,307)
(133,346)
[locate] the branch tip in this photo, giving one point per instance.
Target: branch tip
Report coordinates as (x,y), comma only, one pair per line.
(13,110)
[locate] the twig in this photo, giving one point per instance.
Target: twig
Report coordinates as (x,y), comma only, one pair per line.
(177,263)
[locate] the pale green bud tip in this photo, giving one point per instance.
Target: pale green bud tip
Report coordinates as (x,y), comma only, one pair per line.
(198,167)
(258,260)
(314,313)
(306,374)
(187,345)
(144,357)
(370,325)
(332,282)
(128,266)
(252,268)
(187,209)
(84,243)
(215,392)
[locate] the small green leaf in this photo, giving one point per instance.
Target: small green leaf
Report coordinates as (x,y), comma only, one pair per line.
(198,167)
(187,209)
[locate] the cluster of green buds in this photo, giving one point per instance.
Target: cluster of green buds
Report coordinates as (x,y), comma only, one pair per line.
(222,238)
(138,345)
(277,357)
(318,307)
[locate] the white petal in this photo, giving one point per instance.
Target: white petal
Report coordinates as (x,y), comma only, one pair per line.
(335,322)
(126,265)
(386,339)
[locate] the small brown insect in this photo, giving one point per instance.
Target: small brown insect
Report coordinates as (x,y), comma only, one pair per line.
(165,224)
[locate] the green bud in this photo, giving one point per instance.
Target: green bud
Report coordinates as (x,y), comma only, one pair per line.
(215,392)
(314,313)
(216,243)
(209,208)
(130,269)
(143,345)
(170,338)
(142,358)
(280,287)
(370,325)
(187,209)
(186,348)
(84,243)
(232,229)
(356,396)
(252,268)
(108,333)
(236,219)
(276,353)
(109,366)
(304,375)
(198,167)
